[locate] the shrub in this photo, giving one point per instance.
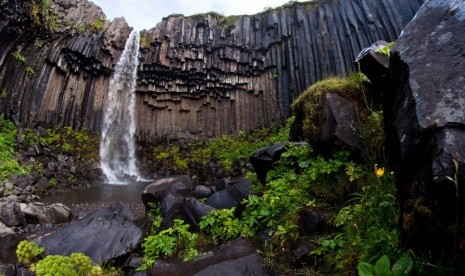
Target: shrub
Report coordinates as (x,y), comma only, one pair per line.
(222,226)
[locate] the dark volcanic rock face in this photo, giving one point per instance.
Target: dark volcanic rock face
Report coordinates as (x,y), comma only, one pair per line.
(425,120)
(206,75)
(200,76)
(68,61)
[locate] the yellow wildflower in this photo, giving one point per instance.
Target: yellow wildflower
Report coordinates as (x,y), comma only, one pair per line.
(379,172)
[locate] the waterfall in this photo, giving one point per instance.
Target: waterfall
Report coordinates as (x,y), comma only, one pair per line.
(117,145)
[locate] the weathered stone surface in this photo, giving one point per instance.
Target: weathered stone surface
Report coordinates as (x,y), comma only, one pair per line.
(103,235)
(311,222)
(8,243)
(10,214)
(264,159)
(338,124)
(207,75)
(372,63)
(199,76)
(195,210)
(7,270)
(176,185)
(37,212)
(236,191)
(425,122)
(70,69)
(236,259)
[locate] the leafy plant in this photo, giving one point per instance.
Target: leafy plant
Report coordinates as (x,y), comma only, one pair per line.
(176,239)
(96,25)
(223,226)
(4,93)
(30,71)
(28,251)
(382,267)
(386,49)
(19,57)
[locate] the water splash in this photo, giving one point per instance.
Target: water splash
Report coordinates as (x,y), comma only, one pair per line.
(117,145)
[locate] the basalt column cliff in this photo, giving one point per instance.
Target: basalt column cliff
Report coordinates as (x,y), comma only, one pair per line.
(207,74)
(199,76)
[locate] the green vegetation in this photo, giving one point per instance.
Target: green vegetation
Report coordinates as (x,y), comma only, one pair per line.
(386,49)
(223,226)
(19,57)
(41,16)
(80,144)
(144,41)
(38,43)
(8,163)
(96,26)
(4,93)
(77,264)
(229,151)
(30,71)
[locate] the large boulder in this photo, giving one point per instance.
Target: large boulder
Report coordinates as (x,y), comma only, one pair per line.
(237,258)
(157,190)
(264,159)
(374,64)
(38,212)
(235,192)
(9,240)
(425,126)
(103,235)
(194,210)
(11,215)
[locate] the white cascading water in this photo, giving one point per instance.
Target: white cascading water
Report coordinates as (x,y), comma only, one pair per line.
(117,145)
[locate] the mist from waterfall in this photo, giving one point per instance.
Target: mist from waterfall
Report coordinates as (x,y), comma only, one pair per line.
(117,145)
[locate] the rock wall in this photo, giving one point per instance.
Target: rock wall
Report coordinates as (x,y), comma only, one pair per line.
(425,128)
(199,76)
(205,75)
(55,67)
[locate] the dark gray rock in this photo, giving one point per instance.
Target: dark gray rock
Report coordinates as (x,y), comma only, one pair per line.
(195,210)
(264,159)
(55,213)
(176,185)
(425,121)
(373,64)
(236,191)
(7,269)
(338,125)
(11,215)
(237,258)
(201,191)
(103,235)
(9,240)
(311,222)
(171,208)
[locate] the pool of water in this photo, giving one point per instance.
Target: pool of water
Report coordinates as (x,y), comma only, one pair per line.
(105,193)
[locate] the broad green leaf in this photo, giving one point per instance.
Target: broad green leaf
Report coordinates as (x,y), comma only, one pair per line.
(365,269)
(403,266)
(383,266)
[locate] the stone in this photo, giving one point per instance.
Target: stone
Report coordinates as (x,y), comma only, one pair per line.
(373,64)
(171,208)
(11,215)
(237,258)
(338,125)
(9,240)
(236,191)
(194,210)
(199,76)
(311,222)
(201,191)
(104,235)
(263,159)
(7,269)
(37,212)
(156,191)
(425,120)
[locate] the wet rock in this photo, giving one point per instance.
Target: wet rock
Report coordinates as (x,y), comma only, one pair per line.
(311,222)
(171,208)
(264,159)
(236,191)
(201,191)
(103,235)
(8,243)
(237,258)
(10,214)
(195,210)
(425,122)
(7,269)
(176,185)
(37,212)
